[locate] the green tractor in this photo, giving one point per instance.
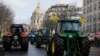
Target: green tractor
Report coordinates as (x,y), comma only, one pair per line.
(68,38)
(42,37)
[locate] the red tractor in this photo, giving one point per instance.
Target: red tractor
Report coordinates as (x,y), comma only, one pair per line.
(17,36)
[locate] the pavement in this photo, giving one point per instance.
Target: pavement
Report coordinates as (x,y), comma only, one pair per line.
(94,51)
(33,51)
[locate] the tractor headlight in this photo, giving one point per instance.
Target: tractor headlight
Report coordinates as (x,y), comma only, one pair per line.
(15,37)
(70,36)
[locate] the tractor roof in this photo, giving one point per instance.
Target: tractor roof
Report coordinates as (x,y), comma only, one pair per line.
(43,29)
(16,25)
(69,20)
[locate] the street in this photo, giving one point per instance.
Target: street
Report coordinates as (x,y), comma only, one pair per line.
(33,51)
(65,27)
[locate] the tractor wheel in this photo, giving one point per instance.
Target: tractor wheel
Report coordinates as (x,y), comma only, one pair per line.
(85,48)
(7,47)
(38,42)
(56,47)
(24,46)
(48,49)
(6,44)
(32,42)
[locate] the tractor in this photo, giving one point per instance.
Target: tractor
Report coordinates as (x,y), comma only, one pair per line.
(42,37)
(16,36)
(68,38)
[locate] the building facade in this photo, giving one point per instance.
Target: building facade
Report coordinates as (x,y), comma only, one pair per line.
(37,18)
(64,11)
(91,11)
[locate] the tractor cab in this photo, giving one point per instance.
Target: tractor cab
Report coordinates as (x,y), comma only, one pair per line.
(43,36)
(68,26)
(44,31)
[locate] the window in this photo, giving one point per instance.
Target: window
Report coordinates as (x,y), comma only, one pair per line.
(90,18)
(99,16)
(84,10)
(90,8)
(70,26)
(99,5)
(95,6)
(90,0)
(90,27)
(94,28)
(99,26)
(87,1)
(34,21)
(84,2)
(59,13)
(94,17)
(87,9)
(63,8)
(37,20)
(53,9)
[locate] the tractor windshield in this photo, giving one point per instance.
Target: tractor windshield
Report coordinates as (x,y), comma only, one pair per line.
(67,26)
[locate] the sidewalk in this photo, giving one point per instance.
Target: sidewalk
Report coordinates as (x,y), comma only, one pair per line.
(95,49)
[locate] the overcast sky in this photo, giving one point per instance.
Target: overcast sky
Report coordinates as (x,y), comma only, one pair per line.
(23,8)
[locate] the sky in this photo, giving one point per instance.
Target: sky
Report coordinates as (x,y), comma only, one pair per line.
(23,9)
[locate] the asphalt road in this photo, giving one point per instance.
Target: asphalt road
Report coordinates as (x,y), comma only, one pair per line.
(33,51)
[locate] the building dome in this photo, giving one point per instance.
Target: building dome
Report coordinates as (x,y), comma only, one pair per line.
(37,18)
(38,9)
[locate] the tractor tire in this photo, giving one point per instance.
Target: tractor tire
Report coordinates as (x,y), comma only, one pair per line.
(7,47)
(56,47)
(24,46)
(2,52)
(6,44)
(32,42)
(85,48)
(48,48)
(38,42)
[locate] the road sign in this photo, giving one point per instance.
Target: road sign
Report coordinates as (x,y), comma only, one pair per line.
(83,20)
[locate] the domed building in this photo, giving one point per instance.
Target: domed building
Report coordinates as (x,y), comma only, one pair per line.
(37,18)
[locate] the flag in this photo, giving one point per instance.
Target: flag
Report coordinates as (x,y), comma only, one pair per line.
(53,16)
(83,20)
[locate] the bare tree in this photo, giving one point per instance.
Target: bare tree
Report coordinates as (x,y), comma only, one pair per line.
(6,18)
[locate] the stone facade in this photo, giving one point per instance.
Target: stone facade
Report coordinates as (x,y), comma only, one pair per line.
(91,11)
(64,11)
(37,18)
